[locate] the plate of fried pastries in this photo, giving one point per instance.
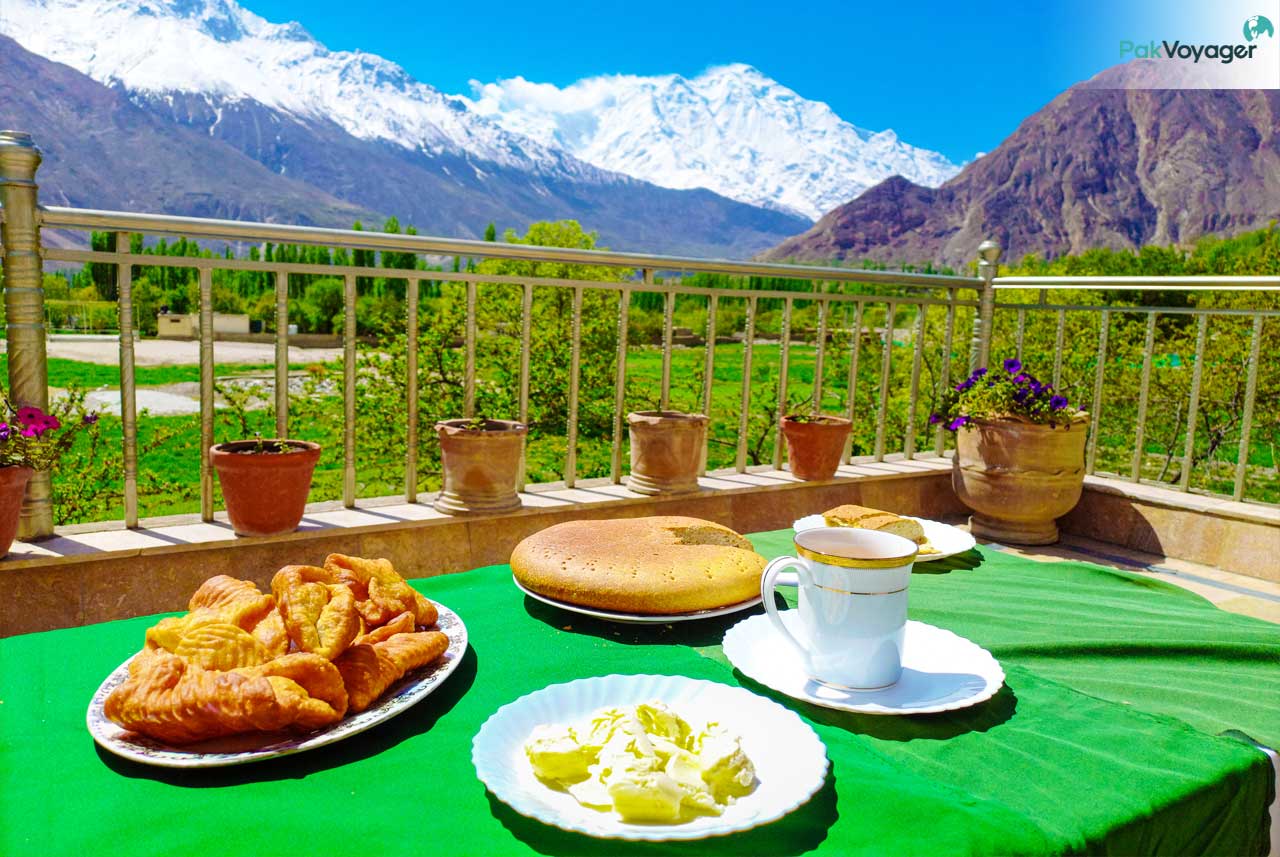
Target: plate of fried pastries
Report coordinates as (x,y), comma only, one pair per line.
(245,675)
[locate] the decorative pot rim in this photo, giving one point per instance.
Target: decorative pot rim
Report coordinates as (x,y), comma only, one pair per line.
(660,416)
(234,447)
(816,420)
(461,426)
(1080,418)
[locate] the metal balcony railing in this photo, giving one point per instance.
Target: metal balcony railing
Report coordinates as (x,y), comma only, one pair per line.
(847,301)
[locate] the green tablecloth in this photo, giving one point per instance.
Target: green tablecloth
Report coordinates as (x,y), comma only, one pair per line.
(1104,738)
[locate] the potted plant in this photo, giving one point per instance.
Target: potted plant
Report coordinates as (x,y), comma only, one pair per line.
(32,440)
(1019,461)
(265,482)
(666,451)
(481,460)
(815,443)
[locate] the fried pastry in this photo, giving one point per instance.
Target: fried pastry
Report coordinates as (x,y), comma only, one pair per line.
(307,685)
(381,593)
(368,669)
(402,624)
(219,600)
(221,646)
(319,615)
(173,701)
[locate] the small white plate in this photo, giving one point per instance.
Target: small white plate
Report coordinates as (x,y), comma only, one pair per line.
(944,538)
(254,747)
(638,618)
(941,671)
(790,761)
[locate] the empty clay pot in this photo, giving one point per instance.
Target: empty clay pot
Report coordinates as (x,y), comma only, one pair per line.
(815,444)
(13,486)
(266,492)
(666,451)
(1019,477)
(481,466)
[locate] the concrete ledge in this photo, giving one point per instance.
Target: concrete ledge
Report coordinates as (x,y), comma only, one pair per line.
(95,574)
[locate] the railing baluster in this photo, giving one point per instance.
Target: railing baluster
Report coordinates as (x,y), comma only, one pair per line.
(469,369)
(886,366)
(855,348)
(1144,390)
(1095,416)
(1021,332)
(128,383)
(745,412)
(206,393)
(349,392)
(411,393)
(708,376)
(818,360)
(571,453)
(282,353)
(668,320)
(1246,421)
(944,373)
(784,365)
(1059,341)
(526,333)
(620,386)
(1193,406)
(909,449)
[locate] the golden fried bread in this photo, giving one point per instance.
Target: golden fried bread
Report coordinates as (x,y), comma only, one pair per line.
(866,518)
(308,684)
(219,600)
(402,624)
(381,593)
(319,615)
(368,669)
(221,646)
(653,565)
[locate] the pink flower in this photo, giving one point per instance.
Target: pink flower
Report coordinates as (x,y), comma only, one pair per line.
(51,422)
(32,431)
(30,416)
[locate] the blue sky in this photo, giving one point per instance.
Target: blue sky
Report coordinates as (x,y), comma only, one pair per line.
(954,76)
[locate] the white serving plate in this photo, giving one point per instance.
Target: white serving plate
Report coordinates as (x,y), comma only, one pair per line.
(941,671)
(944,538)
(255,747)
(791,763)
(638,618)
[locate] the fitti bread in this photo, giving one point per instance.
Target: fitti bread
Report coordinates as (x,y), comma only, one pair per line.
(874,519)
(667,564)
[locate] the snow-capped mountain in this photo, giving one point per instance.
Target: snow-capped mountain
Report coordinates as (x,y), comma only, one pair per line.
(220,50)
(731,129)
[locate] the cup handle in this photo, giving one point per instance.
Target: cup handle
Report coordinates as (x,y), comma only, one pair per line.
(769,581)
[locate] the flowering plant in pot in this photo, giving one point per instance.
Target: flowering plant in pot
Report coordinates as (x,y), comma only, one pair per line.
(265,482)
(1019,461)
(481,461)
(32,440)
(815,443)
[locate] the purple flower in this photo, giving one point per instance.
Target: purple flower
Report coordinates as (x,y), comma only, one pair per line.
(30,416)
(957,423)
(1022,378)
(1013,365)
(978,373)
(934,419)
(90,419)
(1036,387)
(964,385)
(1020,394)
(5,431)
(1057,403)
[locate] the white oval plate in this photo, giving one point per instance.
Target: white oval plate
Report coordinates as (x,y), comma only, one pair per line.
(254,747)
(638,618)
(790,761)
(944,538)
(941,671)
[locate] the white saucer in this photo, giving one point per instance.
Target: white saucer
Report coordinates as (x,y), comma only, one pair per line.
(944,538)
(638,618)
(941,671)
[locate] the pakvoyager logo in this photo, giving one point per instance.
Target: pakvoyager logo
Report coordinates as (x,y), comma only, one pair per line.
(1255,28)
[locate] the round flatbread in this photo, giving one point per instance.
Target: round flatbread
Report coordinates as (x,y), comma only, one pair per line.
(657,565)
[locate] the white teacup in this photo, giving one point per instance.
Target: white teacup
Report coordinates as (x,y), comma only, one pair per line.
(852,604)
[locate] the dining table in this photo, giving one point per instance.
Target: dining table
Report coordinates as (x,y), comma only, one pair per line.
(1126,724)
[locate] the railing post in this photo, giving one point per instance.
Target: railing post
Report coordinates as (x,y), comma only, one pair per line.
(24,307)
(988,256)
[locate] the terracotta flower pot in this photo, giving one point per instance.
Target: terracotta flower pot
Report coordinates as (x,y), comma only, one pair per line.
(13,485)
(666,451)
(1019,477)
(265,492)
(481,466)
(814,444)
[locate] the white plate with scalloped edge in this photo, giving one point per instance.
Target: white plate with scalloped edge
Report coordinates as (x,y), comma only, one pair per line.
(790,760)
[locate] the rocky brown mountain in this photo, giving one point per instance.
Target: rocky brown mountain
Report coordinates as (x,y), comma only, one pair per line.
(1099,166)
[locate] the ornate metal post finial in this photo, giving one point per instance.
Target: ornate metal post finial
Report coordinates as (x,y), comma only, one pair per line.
(988,258)
(24,306)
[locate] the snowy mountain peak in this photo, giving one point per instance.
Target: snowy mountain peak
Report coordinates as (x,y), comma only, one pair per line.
(731,129)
